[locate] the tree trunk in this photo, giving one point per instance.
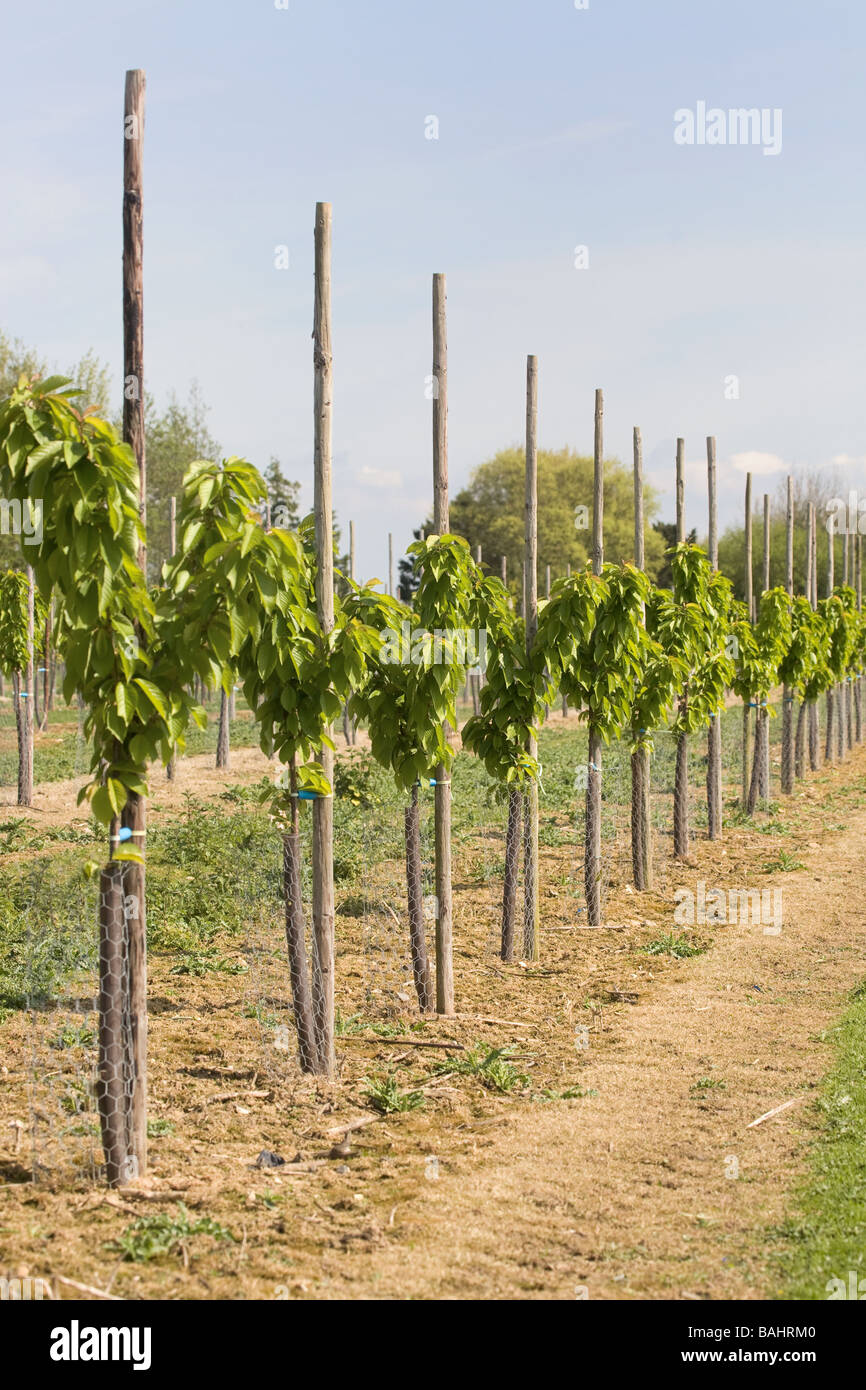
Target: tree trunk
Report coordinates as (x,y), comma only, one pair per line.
(222,750)
(112,1095)
(512,872)
(714,778)
(417,939)
(530,869)
(592,851)
(800,742)
(638,813)
(24,728)
(681,799)
(747,738)
(787,742)
(759,764)
(814,737)
(763,720)
(135,915)
(830,740)
(299,970)
(858,710)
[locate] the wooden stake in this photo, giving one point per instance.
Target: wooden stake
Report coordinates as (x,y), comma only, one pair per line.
(681,783)
(750,608)
(748,562)
(441,522)
(809,552)
(592,850)
(530,552)
(766,542)
(641,847)
(323,806)
(714,732)
(171,770)
(787,697)
(390,564)
(134,815)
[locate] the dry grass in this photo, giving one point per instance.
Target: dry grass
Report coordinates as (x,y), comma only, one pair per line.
(623,1191)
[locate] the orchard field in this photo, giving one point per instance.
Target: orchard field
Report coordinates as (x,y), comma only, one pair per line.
(493,935)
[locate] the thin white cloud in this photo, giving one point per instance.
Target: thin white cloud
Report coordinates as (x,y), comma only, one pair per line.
(847,460)
(756,462)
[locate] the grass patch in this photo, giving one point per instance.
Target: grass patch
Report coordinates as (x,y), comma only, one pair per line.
(388,1098)
(673,944)
(153,1236)
(825,1236)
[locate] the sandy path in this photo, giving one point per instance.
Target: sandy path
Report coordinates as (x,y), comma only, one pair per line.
(632,1193)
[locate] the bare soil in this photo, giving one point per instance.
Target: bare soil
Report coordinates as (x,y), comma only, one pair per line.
(650,1184)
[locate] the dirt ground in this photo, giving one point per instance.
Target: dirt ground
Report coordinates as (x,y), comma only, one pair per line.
(651,1183)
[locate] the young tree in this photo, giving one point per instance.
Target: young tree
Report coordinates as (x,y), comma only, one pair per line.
(124,675)
(20,609)
(691,623)
(513,700)
(594,641)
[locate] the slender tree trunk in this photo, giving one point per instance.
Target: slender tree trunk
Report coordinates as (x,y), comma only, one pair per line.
(530,869)
(800,742)
(512,872)
(681,798)
(858,709)
(592,856)
(849,711)
(763,722)
(299,970)
(112,1085)
(830,740)
(638,820)
(814,737)
(646,786)
(759,767)
(222,750)
(787,742)
(714,778)
(421,972)
(26,703)
(134,884)
(747,751)
(24,728)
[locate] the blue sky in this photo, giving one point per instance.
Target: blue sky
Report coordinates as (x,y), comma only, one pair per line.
(555,129)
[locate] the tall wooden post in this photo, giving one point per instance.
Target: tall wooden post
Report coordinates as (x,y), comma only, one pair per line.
(787,696)
(134,815)
(530,554)
(390,564)
(442,797)
(503,569)
(681,773)
(714,732)
(171,770)
(762,715)
(351,550)
(323,806)
(750,606)
(641,850)
(26,704)
(592,850)
(814,730)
